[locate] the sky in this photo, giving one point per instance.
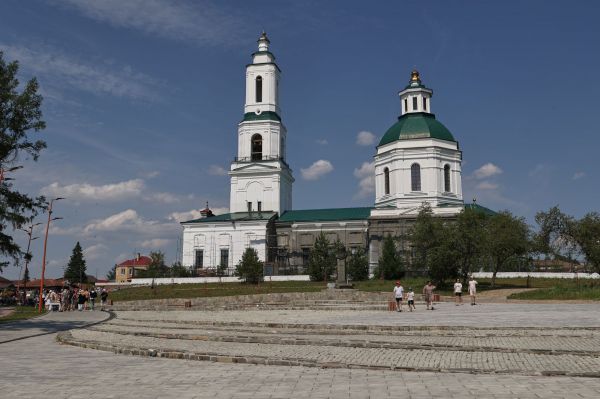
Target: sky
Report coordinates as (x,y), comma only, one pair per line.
(142,99)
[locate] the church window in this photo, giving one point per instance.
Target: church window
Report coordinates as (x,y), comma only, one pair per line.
(405,105)
(224,257)
(415,177)
(256,149)
(259,206)
(424,103)
(305,256)
(447,178)
(199,259)
(259,89)
(249,205)
(386,177)
(414,103)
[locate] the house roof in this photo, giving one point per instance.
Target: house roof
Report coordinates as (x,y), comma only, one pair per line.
(483,209)
(4,282)
(326,215)
(141,261)
(234,217)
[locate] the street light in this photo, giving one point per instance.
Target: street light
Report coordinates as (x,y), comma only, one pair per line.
(27,254)
(45,245)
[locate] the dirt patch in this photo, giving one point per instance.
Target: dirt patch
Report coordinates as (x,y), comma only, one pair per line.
(6,311)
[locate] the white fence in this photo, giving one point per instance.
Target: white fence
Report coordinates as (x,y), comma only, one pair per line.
(205,280)
(537,275)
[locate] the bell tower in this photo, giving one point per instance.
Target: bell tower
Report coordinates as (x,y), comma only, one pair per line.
(261,179)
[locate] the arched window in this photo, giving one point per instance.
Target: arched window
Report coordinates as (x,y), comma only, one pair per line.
(386,177)
(415,177)
(259,89)
(447,178)
(256,149)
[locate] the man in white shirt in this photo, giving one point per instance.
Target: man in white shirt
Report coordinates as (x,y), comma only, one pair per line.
(458,292)
(472,290)
(398,294)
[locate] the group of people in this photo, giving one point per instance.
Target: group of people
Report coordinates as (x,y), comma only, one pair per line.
(70,299)
(399,294)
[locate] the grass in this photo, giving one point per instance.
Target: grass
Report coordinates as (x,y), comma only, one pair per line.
(547,288)
(21,313)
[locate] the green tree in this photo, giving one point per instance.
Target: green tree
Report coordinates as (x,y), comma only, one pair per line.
(112,273)
(20,114)
(586,233)
(443,257)
(250,268)
(468,241)
(157,267)
(76,269)
(390,263)
(358,265)
(178,270)
(508,238)
(321,261)
(424,235)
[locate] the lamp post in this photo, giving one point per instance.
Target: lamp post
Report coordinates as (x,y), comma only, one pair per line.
(27,254)
(341,254)
(41,304)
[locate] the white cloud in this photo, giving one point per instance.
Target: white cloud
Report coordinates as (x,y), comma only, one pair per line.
(322,141)
(317,170)
(59,71)
(487,170)
(95,251)
(366,176)
(152,175)
(365,138)
(156,243)
(578,175)
(216,170)
(163,198)
(193,22)
(130,221)
(486,185)
(194,214)
(116,191)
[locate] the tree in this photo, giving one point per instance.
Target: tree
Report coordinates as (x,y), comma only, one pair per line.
(469,238)
(321,261)
(250,267)
(424,235)
(178,270)
(390,263)
(358,265)
(556,235)
(76,270)
(443,257)
(20,113)
(26,278)
(586,233)
(157,267)
(112,273)
(508,238)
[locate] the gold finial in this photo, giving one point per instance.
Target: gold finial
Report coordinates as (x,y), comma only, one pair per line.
(414,76)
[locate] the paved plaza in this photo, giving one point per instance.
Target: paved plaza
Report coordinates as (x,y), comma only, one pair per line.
(507,346)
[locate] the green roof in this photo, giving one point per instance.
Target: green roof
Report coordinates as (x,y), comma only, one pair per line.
(479,208)
(325,215)
(263,116)
(414,126)
(234,217)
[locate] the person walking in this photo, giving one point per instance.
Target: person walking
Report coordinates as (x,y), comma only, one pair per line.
(458,292)
(80,300)
(428,293)
(93,296)
(103,298)
(472,290)
(410,298)
(398,294)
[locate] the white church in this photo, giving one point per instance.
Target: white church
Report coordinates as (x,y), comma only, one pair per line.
(417,162)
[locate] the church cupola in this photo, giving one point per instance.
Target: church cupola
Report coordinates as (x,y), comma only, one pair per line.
(263,42)
(262,83)
(415,97)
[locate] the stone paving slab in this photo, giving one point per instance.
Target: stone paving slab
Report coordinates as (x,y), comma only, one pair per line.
(446,314)
(324,356)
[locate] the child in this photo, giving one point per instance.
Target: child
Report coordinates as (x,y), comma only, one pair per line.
(410,297)
(458,292)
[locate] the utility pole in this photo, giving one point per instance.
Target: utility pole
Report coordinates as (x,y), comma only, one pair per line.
(27,255)
(41,304)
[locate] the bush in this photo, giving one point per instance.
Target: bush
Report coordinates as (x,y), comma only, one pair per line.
(250,268)
(390,263)
(358,265)
(321,262)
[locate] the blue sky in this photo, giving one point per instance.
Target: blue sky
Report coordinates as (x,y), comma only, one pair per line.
(143,97)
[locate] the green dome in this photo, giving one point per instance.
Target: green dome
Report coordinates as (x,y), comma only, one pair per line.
(415,126)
